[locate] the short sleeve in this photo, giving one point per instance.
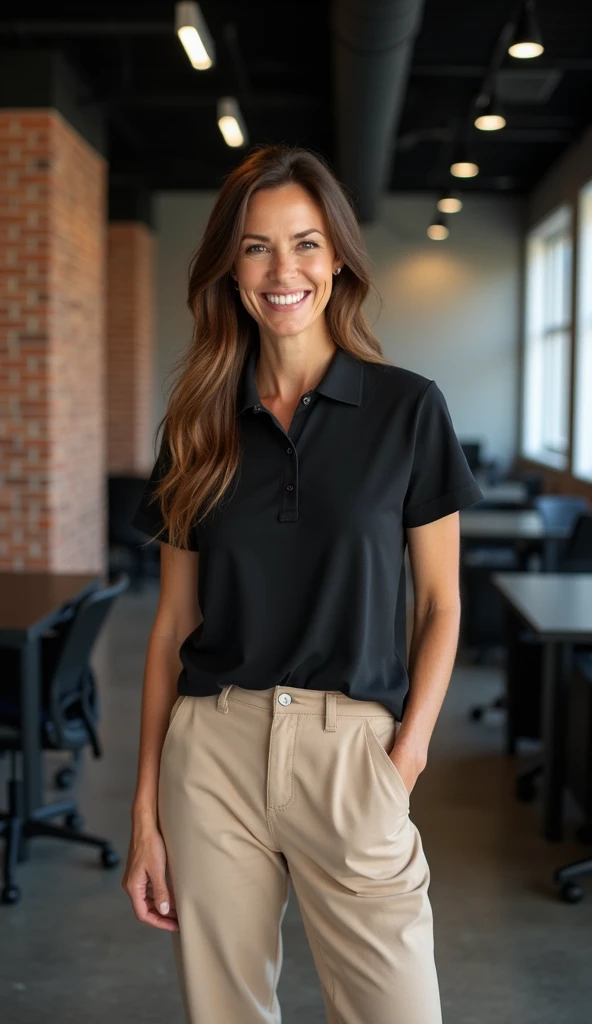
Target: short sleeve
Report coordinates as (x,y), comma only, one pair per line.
(440,481)
(147,518)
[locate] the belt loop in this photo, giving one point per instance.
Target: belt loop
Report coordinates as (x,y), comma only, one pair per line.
(330,712)
(221,704)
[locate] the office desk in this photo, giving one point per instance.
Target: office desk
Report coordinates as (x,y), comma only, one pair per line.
(513,526)
(557,608)
(30,602)
(510,491)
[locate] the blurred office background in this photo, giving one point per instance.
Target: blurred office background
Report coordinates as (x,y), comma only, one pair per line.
(464,134)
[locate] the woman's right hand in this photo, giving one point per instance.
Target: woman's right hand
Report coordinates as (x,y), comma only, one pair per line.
(144,880)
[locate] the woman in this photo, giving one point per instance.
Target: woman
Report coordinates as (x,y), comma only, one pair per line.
(295,466)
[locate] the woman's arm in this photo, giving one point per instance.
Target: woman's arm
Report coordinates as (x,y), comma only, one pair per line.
(434,553)
(176,617)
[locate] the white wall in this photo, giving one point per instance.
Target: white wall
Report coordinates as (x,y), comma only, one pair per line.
(450,309)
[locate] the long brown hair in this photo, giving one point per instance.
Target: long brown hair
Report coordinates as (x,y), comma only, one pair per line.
(201,436)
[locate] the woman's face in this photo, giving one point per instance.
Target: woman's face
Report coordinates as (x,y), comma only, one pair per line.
(286,260)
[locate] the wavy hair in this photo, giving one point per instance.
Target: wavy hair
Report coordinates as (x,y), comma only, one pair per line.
(201,446)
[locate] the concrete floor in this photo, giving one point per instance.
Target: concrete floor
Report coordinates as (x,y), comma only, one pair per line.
(507,949)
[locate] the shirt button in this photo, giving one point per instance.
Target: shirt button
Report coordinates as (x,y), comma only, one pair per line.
(306,400)
(284,698)
(289,487)
(289,451)
(257,408)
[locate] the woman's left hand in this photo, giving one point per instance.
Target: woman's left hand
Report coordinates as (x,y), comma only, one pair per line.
(409,765)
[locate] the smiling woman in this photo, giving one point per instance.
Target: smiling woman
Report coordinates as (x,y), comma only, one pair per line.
(296,464)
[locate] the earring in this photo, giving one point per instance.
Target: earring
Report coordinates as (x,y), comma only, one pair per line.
(338,271)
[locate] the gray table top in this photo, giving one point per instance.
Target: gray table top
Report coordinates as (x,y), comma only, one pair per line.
(557,606)
(506,524)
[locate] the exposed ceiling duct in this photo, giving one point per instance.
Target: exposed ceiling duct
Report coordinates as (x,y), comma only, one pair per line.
(372,48)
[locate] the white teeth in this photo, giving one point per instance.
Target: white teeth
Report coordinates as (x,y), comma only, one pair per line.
(285,300)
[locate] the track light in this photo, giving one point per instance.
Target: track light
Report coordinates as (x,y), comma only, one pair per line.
(193,32)
(230,122)
(462,167)
(449,203)
(491,117)
(527,40)
(438,229)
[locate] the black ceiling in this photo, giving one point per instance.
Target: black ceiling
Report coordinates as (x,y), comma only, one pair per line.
(277,60)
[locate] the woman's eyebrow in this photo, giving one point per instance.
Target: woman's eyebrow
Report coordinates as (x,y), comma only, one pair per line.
(299,234)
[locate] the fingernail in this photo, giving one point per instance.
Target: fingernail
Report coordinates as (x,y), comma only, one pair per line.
(164,908)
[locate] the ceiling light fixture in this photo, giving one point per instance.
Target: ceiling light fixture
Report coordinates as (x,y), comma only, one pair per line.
(491,117)
(230,122)
(449,203)
(527,40)
(438,229)
(193,32)
(461,166)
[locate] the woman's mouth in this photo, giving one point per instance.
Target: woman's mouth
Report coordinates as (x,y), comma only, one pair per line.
(281,302)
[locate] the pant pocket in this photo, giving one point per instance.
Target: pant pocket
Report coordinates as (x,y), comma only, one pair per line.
(173,719)
(380,734)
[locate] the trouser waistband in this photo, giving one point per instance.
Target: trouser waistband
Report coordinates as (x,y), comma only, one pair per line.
(329,703)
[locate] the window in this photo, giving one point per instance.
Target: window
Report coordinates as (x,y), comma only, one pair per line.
(547,341)
(582,456)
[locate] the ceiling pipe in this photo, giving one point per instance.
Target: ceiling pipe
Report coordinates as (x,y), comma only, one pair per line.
(372,49)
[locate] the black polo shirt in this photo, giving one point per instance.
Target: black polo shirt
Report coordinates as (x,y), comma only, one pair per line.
(301,571)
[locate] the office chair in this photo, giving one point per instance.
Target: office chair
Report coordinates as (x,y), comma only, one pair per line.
(580,733)
(484,606)
(124,494)
(575,557)
(68,722)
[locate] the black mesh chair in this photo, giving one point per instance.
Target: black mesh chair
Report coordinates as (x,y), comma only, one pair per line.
(68,721)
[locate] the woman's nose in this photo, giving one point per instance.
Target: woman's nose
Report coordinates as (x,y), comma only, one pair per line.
(283,264)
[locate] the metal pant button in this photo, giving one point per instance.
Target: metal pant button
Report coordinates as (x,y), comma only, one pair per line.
(284,698)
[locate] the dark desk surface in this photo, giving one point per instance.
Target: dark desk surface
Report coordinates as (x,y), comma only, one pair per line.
(524,524)
(557,606)
(28,599)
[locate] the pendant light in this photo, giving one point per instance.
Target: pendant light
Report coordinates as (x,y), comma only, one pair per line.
(461,166)
(527,40)
(193,32)
(449,203)
(230,122)
(438,229)
(491,118)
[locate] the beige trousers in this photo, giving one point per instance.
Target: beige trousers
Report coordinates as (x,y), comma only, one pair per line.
(258,787)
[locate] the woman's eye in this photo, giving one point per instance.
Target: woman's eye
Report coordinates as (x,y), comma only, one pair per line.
(252,248)
(313,244)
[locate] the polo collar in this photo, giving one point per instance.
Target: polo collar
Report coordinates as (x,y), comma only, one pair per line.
(342,379)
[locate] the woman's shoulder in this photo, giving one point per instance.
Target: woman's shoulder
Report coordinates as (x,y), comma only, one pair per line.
(397,381)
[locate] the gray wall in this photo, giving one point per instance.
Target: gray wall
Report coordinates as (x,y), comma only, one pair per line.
(450,310)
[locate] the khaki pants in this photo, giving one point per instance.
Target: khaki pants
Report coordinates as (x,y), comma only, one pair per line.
(258,787)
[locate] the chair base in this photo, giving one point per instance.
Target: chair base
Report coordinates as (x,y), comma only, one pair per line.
(17,830)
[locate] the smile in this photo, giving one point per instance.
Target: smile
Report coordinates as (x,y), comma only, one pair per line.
(285,300)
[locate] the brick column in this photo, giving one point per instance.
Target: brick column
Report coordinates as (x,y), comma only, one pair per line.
(130,346)
(52,330)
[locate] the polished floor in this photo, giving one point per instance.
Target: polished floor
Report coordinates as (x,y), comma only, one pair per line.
(508,951)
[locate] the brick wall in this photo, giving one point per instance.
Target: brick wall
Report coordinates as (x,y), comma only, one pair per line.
(52,349)
(130,346)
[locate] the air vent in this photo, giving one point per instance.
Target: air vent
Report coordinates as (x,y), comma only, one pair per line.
(530,85)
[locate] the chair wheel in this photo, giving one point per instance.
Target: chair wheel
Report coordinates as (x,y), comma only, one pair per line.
(525,790)
(65,778)
(571,892)
(476,714)
(109,857)
(11,894)
(74,820)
